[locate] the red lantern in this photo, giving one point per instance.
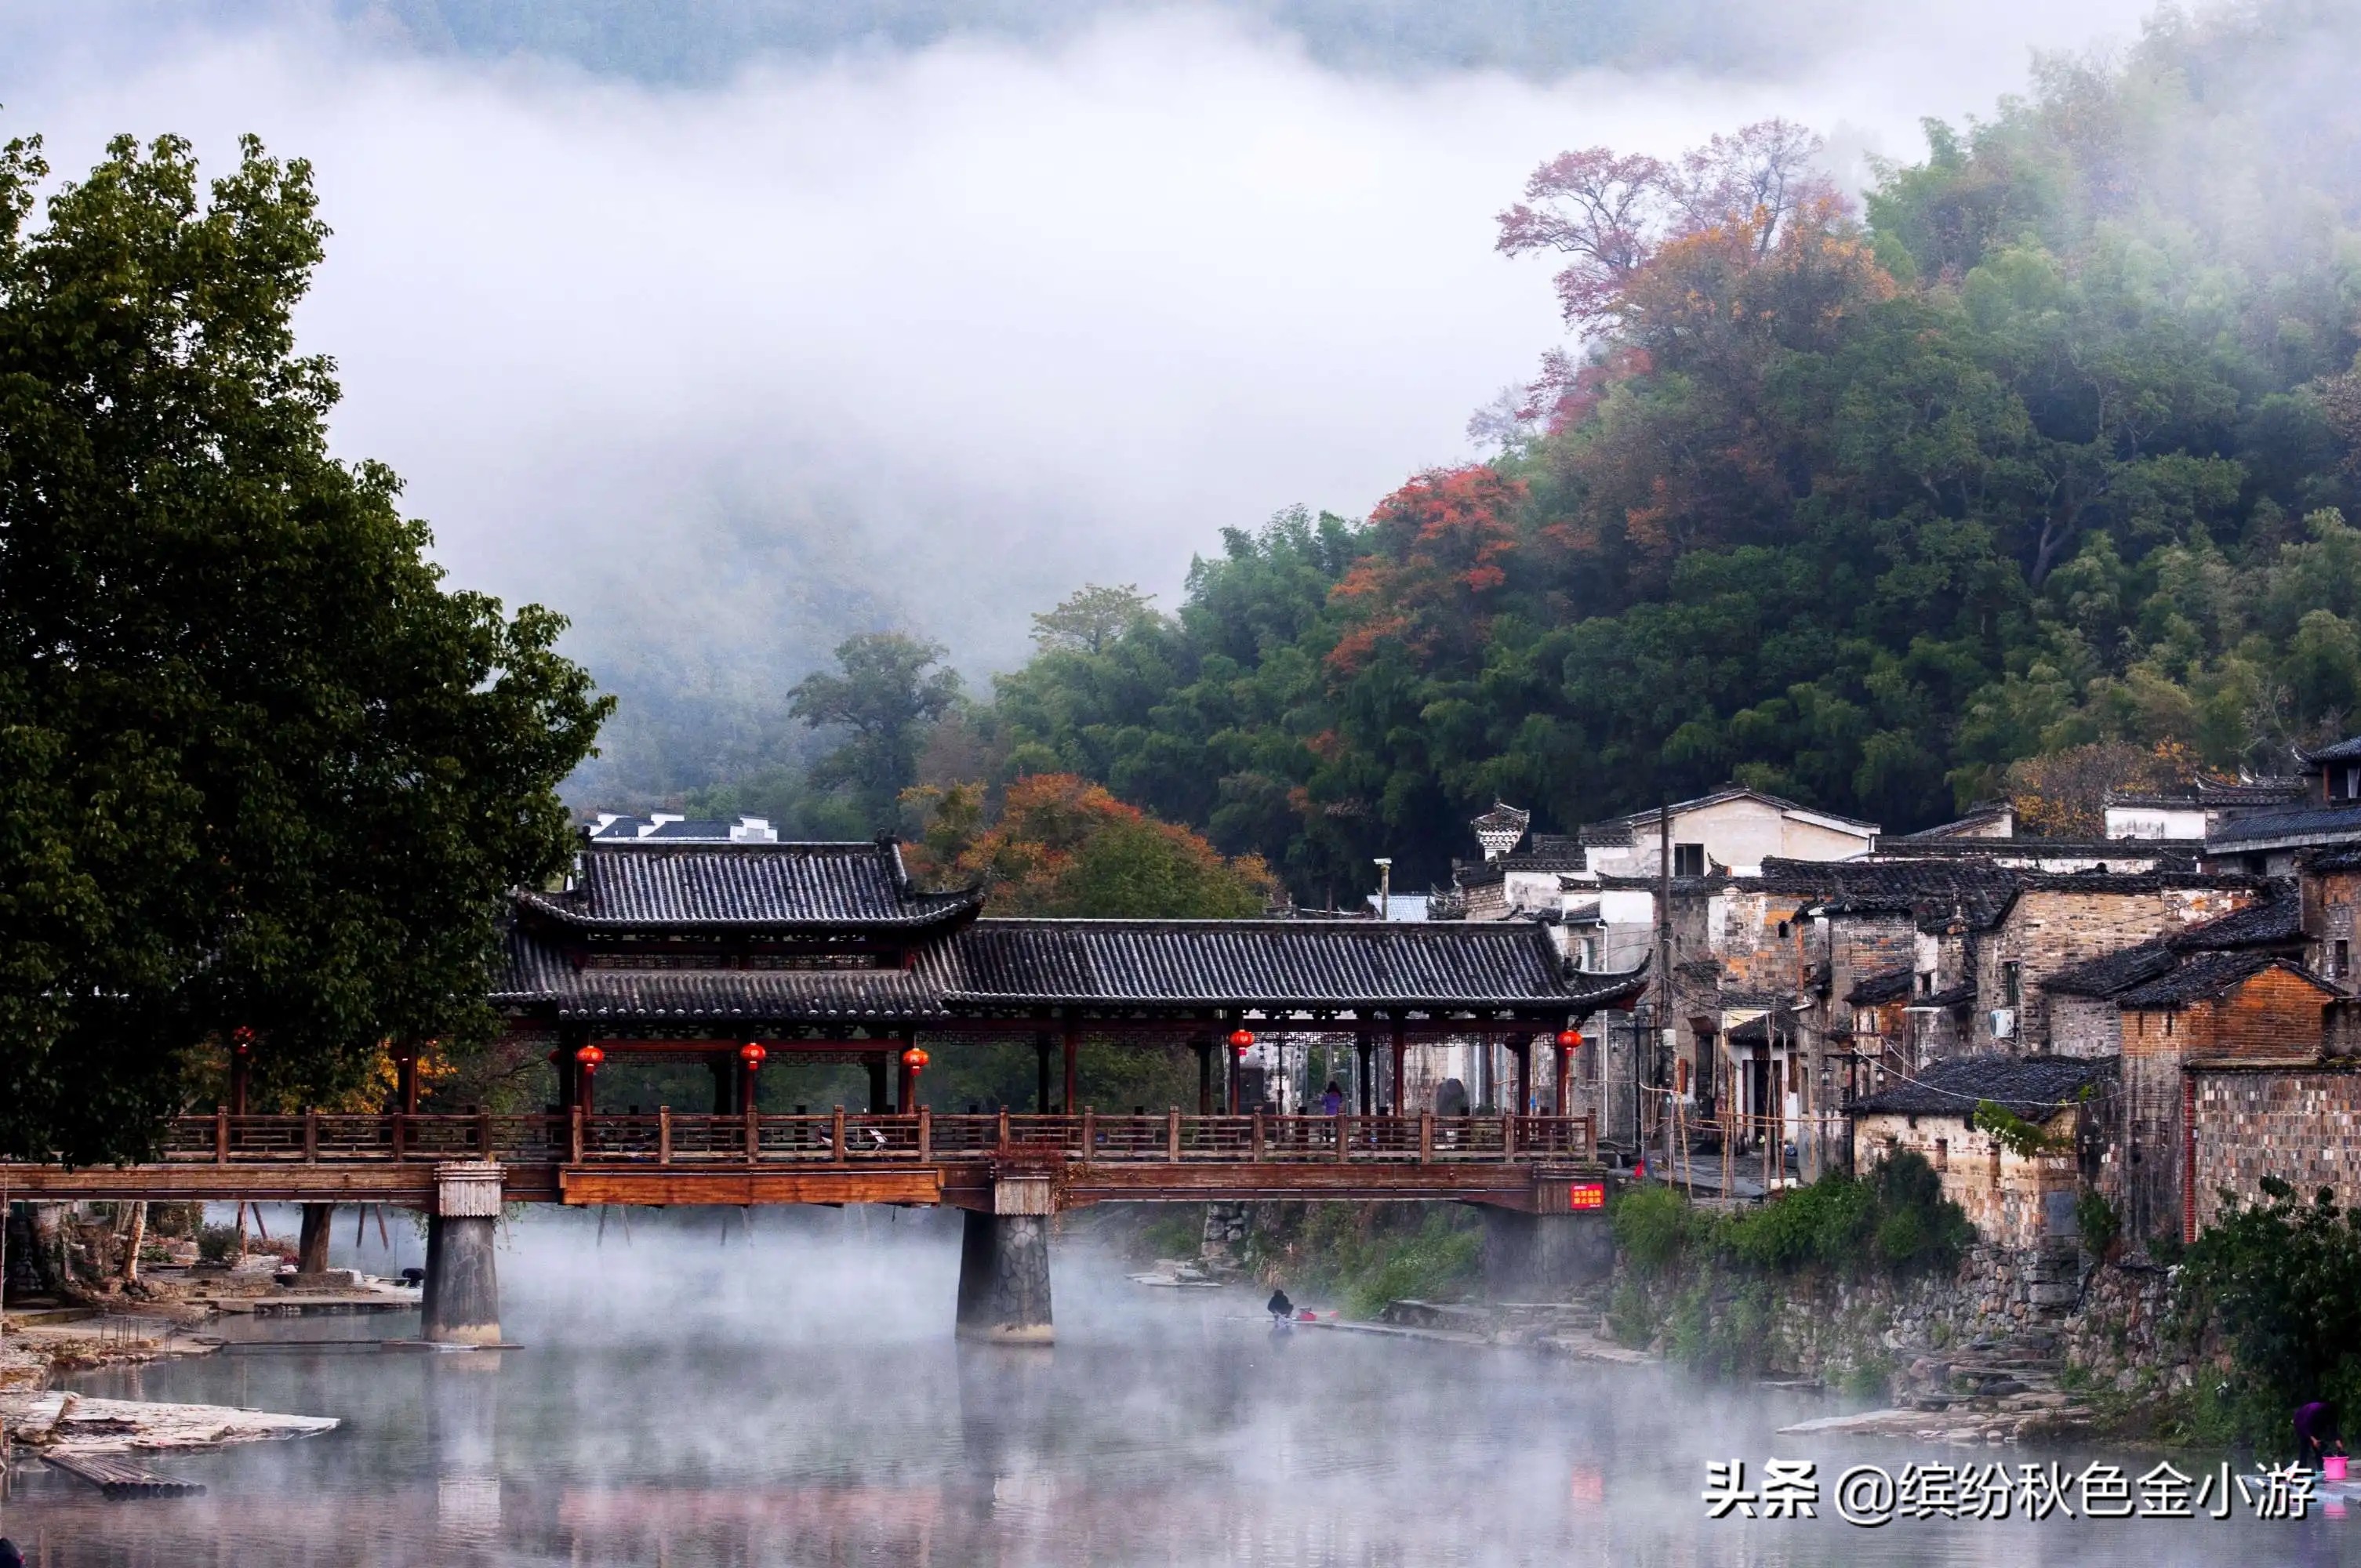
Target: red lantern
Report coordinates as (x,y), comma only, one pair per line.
(751,1054)
(241,1040)
(914,1059)
(589,1057)
(1569,1039)
(1239,1040)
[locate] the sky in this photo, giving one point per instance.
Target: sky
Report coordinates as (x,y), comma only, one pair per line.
(925,335)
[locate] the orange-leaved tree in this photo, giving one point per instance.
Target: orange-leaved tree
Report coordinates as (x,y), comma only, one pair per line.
(1064,845)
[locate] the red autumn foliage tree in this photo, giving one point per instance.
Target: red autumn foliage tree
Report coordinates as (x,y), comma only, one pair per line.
(1442,546)
(1063,846)
(1612,211)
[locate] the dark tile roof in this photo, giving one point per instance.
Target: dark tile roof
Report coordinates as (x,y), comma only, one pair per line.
(748,885)
(2312,824)
(2029,1086)
(2204,977)
(1892,985)
(539,972)
(997,965)
(2111,972)
(1915,887)
(2346,751)
(2339,859)
(2266,923)
(1256,963)
(1953,996)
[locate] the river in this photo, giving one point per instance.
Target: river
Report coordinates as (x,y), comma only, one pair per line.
(696,1393)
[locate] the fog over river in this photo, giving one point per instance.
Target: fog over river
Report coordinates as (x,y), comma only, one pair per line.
(692,1394)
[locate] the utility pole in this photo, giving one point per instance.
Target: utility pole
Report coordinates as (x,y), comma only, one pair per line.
(1664,967)
(1385,887)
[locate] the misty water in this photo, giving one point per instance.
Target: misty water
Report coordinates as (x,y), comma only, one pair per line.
(694,1394)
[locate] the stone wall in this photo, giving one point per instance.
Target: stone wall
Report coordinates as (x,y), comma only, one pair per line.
(2301,1124)
(2013,1200)
(2084,1026)
(2048,930)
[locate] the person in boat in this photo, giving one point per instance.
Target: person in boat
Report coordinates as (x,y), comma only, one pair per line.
(2315,1432)
(1332,1099)
(1280,1306)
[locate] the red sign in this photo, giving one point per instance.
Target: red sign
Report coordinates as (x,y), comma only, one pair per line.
(1587,1195)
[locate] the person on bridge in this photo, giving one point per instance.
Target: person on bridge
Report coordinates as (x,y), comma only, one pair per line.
(1280,1306)
(1332,1099)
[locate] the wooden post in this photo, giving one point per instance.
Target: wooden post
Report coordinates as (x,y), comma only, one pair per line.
(1344,1138)
(1401,1056)
(221,1138)
(405,1080)
(1521,1047)
(1255,1139)
(753,1125)
(1003,1126)
(1172,1135)
(483,1133)
(925,1133)
(1204,1049)
(836,1137)
(400,1126)
(1041,1064)
(1089,1131)
(1508,1136)
(574,1140)
(1073,1063)
(312,1135)
(1427,1138)
(239,1065)
(664,1134)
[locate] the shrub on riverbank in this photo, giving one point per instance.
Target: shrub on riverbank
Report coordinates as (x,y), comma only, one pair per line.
(2280,1283)
(1705,1283)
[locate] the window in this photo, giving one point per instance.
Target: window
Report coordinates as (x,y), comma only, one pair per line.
(1925,982)
(1688,860)
(2167,1025)
(2353,784)
(1783,930)
(2340,961)
(2012,985)
(1942,1154)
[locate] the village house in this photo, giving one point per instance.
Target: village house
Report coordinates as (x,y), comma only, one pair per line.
(2017,1198)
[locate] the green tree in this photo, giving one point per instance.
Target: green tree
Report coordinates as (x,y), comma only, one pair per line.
(887,695)
(262,770)
(1093,617)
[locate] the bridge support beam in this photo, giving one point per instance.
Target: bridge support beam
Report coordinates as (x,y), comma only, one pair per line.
(462,1299)
(1004,1285)
(1546,1253)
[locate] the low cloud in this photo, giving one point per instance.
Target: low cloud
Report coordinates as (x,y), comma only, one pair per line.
(925,337)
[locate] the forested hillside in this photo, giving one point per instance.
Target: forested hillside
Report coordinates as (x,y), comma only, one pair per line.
(2052,440)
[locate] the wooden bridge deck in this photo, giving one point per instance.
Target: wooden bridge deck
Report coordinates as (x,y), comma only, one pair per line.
(667,1158)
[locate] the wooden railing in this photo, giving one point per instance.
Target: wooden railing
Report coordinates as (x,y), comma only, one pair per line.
(840,1137)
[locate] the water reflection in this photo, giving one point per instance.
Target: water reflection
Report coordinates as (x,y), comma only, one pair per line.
(690,1399)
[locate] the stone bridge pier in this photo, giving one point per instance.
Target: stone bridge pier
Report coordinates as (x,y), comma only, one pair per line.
(1543,1251)
(461,1302)
(1003,1284)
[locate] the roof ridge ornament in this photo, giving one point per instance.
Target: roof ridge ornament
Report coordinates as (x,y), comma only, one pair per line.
(1500,829)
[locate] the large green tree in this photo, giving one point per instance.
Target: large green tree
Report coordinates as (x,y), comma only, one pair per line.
(259,768)
(885,695)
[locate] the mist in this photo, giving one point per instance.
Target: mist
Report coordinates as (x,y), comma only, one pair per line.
(924,333)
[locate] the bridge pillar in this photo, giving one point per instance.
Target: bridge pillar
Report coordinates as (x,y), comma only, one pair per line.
(1004,1285)
(462,1298)
(1547,1252)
